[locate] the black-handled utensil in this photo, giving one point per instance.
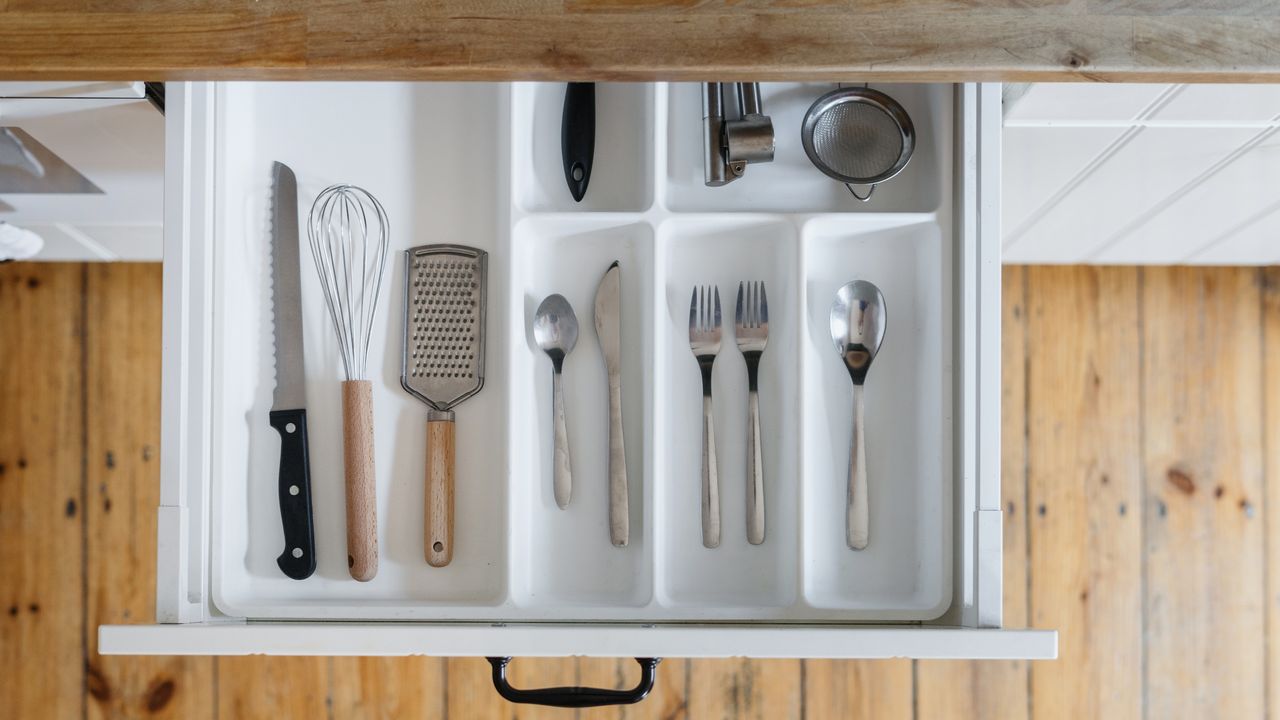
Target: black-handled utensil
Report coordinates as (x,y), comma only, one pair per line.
(578,136)
(289,406)
(298,560)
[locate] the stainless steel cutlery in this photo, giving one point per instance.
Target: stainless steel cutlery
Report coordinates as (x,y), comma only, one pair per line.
(857,329)
(751,328)
(555,329)
(704,341)
(608,317)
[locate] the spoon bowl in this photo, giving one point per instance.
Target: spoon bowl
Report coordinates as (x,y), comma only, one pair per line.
(555,328)
(857,326)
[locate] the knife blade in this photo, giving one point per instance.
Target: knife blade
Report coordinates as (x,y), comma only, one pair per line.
(608,319)
(289,407)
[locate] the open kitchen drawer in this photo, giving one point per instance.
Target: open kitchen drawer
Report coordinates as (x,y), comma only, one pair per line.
(479,164)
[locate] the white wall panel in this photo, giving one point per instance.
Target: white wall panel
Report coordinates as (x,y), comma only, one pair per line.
(1142,174)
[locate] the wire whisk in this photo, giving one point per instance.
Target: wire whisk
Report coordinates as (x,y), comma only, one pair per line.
(349,236)
(348,230)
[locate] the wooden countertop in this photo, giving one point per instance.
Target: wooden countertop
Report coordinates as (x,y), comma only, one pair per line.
(1009,40)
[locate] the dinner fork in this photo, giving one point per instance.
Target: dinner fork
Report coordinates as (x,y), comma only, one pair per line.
(751,326)
(704,340)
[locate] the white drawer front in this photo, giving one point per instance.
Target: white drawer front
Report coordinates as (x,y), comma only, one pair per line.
(479,165)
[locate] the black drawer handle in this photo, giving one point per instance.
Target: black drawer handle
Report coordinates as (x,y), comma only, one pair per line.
(575,697)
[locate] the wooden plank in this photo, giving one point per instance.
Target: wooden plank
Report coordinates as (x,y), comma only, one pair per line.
(666,701)
(470,690)
(851,689)
(122,386)
(270,688)
(388,687)
(1202,454)
(1271,468)
(41,492)
(996,689)
(874,40)
(1084,489)
(744,688)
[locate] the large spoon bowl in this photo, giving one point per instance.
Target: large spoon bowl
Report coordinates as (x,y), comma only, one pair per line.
(857,326)
(857,329)
(555,329)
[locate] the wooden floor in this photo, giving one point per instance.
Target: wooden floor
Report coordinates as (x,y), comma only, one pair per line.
(1137,472)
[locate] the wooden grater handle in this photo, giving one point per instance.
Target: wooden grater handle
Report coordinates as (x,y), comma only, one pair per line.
(362,492)
(439,510)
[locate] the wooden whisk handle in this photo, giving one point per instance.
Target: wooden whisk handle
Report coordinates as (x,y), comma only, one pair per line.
(362,492)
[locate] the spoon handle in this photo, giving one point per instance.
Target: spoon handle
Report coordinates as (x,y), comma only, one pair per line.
(563,475)
(856,518)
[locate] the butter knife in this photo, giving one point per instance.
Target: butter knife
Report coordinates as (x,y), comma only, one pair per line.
(289,406)
(609,331)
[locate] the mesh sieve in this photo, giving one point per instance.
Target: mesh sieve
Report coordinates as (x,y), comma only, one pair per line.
(857,140)
(858,136)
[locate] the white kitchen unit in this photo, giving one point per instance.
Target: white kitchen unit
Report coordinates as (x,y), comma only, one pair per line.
(1142,174)
(81,90)
(479,164)
(106,136)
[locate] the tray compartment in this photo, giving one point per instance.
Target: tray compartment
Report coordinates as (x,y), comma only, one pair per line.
(791,183)
(622,168)
(565,557)
(723,250)
(379,120)
(905,571)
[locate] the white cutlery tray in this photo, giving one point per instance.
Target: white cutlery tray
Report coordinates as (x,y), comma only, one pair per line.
(480,165)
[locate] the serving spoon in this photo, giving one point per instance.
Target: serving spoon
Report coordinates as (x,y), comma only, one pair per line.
(555,329)
(857,328)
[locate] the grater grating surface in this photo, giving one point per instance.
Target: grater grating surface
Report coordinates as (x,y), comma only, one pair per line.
(444,330)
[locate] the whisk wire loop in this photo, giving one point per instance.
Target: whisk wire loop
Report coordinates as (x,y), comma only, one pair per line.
(350,237)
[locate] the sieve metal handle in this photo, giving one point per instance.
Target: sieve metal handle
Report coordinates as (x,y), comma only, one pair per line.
(863,198)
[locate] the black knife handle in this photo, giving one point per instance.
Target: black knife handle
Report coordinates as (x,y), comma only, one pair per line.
(298,560)
(578,136)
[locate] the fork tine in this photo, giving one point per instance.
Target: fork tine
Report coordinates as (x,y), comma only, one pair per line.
(702,309)
(738,316)
(753,297)
(717,316)
(693,310)
(755,305)
(763,309)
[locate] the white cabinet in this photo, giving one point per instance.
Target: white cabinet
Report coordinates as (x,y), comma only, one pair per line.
(479,165)
(93,184)
(1142,174)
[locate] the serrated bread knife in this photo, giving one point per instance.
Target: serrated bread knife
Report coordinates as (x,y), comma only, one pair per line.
(289,407)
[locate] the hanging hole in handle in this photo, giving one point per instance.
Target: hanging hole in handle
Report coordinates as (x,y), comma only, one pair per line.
(863,198)
(575,697)
(577,172)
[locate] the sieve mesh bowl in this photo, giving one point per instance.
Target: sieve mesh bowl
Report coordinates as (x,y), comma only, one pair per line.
(858,136)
